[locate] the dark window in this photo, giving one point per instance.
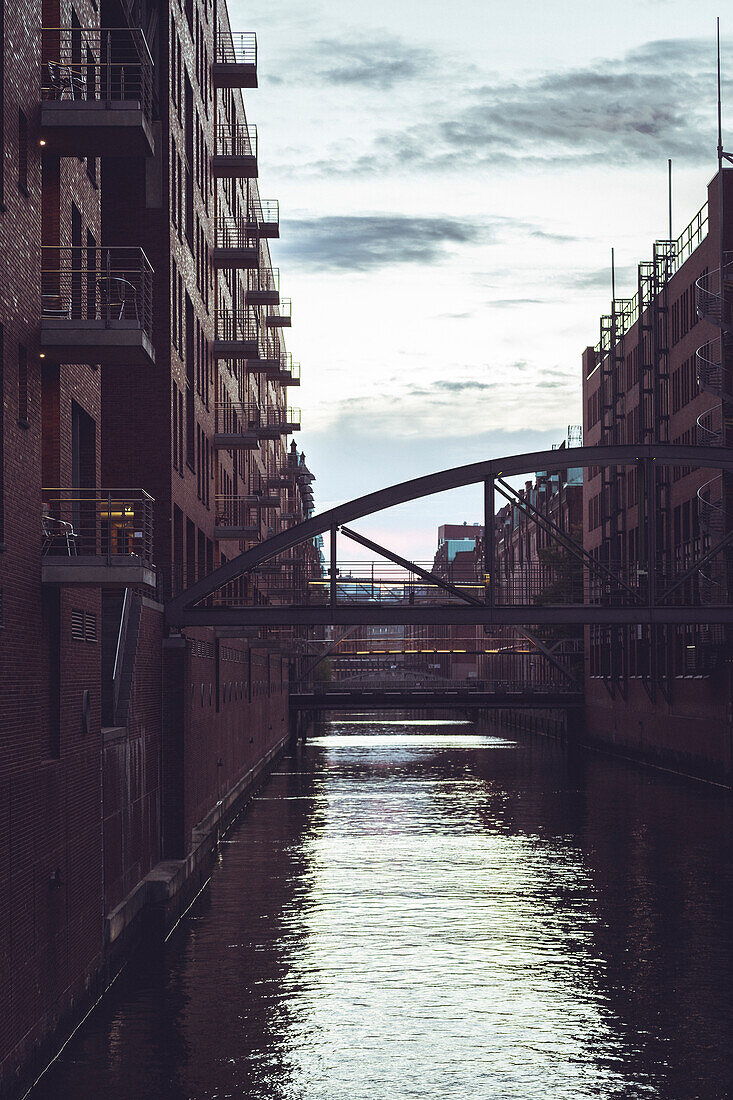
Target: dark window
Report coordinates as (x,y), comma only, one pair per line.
(190,382)
(2,100)
(22,152)
(23,408)
(2,426)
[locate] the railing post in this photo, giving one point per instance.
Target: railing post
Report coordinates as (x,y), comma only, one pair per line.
(489,546)
(334,559)
(109,528)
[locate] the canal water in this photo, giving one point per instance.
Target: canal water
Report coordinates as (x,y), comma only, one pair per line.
(421,910)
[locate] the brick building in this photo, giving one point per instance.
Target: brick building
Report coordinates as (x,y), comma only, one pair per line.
(659,374)
(142,443)
(532,566)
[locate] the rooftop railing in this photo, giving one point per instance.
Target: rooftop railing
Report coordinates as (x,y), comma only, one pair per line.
(97,284)
(692,236)
(106,523)
(91,64)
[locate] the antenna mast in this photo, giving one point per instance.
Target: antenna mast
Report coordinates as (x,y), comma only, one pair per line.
(669,195)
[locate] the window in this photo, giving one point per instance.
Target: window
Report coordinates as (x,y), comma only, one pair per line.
(22,152)
(174,304)
(2,100)
(2,428)
(23,386)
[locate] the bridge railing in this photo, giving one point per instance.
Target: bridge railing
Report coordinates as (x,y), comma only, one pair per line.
(617,584)
(476,687)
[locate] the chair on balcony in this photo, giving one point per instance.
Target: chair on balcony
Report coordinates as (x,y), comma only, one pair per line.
(59,536)
(65,82)
(117,299)
(55,305)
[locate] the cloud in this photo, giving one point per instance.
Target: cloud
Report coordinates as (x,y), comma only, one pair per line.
(365,241)
(361,242)
(509,303)
(653,102)
(377,61)
(600,279)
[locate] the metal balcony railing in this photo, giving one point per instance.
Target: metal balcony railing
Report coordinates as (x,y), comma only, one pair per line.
(235,233)
(268,278)
(238,326)
(713,303)
(237,141)
(232,417)
(264,216)
(106,523)
(97,284)
(236,48)
(237,512)
(289,373)
(265,288)
(279,316)
(709,430)
(90,64)
(711,513)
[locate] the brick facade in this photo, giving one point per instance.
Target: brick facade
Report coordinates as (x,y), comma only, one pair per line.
(117,743)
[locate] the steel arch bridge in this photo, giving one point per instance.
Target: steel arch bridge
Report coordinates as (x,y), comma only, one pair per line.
(655,596)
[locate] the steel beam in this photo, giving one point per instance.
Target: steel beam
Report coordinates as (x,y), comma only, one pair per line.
(460,614)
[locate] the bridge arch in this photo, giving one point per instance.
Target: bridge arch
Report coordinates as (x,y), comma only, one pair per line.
(179,608)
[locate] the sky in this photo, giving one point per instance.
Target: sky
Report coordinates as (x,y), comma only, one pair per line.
(452,179)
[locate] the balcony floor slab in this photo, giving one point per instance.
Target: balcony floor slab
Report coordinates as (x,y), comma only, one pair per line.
(96,128)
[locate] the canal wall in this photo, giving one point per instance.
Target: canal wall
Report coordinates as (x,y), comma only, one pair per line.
(121,833)
(688,730)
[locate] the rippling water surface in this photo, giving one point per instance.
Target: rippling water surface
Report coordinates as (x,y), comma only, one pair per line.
(420,910)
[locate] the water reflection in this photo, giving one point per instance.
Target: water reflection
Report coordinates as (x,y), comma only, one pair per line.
(421,910)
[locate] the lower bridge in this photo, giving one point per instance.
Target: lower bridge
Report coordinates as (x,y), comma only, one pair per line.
(455,695)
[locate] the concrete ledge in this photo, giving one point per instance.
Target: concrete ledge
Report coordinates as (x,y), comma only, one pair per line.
(171,885)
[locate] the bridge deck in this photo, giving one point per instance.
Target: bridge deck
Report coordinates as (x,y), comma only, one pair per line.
(440,698)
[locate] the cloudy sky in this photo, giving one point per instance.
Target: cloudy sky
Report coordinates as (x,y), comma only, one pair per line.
(451,181)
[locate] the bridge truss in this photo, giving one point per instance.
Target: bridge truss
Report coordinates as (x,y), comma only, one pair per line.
(265,587)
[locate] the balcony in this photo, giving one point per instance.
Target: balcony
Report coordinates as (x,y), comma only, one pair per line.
(236,518)
(97,92)
(97,537)
(282,479)
(279,316)
(235,60)
(236,335)
(263,217)
(237,248)
(267,291)
(285,371)
(236,153)
(96,306)
(231,429)
(242,426)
